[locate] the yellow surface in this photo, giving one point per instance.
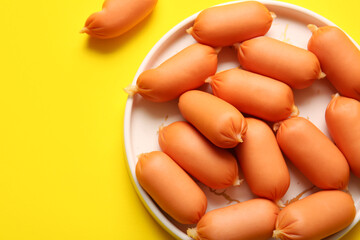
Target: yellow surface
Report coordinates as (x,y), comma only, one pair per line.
(62,166)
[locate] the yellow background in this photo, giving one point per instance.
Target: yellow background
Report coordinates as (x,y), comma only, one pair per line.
(62,164)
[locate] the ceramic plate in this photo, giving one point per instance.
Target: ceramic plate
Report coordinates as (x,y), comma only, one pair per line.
(143,118)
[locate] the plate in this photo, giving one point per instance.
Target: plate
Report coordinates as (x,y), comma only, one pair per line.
(143,118)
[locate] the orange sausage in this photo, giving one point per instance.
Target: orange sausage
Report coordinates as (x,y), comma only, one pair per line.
(232,23)
(170,187)
(117,17)
(217,120)
(262,162)
(254,94)
(343,121)
(292,65)
(253,219)
(213,166)
(339,59)
(186,70)
(313,153)
(316,216)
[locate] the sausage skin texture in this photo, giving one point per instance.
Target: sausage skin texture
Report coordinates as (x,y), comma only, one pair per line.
(217,120)
(184,71)
(262,162)
(339,59)
(267,56)
(117,17)
(253,219)
(171,187)
(316,216)
(232,23)
(273,100)
(314,154)
(343,121)
(213,166)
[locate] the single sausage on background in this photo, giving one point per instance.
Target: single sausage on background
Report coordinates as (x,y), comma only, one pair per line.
(343,121)
(262,162)
(313,153)
(217,120)
(253,219)
(171,187)
(117,17)
(316,216)
(213,166)
(186,70)
(339,58)
(295,66)
(228,24)
(254,94)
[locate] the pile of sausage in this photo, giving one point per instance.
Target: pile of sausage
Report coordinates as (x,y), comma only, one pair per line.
(215,124)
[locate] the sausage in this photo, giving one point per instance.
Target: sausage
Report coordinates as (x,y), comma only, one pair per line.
(232,23)
(171,187)
(213,166)
(184,71)
(339,59)
(292,65)
(117,17)
(217,120)
(315,155)
(253,219)
(343,121)
(262,162)
(254,94)
(316,216)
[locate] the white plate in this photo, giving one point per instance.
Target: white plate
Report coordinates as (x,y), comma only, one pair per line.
(143,118)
